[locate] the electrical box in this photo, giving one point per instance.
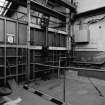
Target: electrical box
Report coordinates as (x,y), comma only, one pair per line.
(82,36)
(10,38)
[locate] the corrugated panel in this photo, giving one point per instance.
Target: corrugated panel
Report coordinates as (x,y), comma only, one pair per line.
(32,36)
(57,40)
(37,37)
(11,31)
(82,36)
(11,52)
(22,34)
(41,35)
(37,56)
(1,30)
(53,40)
(2,54)
(62,41)
(50,39)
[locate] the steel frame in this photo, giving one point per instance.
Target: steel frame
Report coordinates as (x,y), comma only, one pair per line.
(41,8)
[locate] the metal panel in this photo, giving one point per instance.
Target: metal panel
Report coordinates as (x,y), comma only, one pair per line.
(22,34)
(82,36)
(37,37)
(11,52)
(62,40)
(1,30)
(38,7)
(57,40)
(11,32)
(1,55)
(32,36)
(50,39)
(41,35)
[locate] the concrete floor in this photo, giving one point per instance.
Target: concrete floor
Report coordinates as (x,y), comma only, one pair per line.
(27,98)
(79,90)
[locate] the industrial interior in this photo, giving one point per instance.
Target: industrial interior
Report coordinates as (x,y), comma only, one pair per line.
(52,52)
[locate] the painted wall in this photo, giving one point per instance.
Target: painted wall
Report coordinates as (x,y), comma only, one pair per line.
(96,33)
(85,5)
(94,50)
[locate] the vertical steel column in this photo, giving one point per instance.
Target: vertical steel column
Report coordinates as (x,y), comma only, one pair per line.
(72,39)
(17,51)
(5,64)
(64,78)
(68,30)
(46,36)
(59,68)
(28,38)
(64,88)
(34,68)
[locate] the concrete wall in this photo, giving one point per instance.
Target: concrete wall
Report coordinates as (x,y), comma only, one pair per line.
(96,30)
(96,33)
(94,50)
(85,5)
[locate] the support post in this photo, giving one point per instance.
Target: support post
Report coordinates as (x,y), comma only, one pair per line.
(46,43)
(64,88)
(5,54)
(68,30)
(64,78)
(59,68)
(28,39)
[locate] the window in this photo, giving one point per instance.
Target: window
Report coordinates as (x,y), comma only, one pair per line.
(4,4)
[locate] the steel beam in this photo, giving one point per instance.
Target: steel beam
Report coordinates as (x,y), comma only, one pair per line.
(28,39)
(66,4)
(93,12)
(40,8)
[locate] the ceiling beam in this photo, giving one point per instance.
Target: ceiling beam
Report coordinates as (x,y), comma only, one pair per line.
(66,4)
(93,12)
(40,8)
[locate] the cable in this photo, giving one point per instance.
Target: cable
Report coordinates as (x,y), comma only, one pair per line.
(96,20)
(93,21)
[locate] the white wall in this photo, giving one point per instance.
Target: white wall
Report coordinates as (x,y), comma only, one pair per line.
(97,34)
(85,5)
